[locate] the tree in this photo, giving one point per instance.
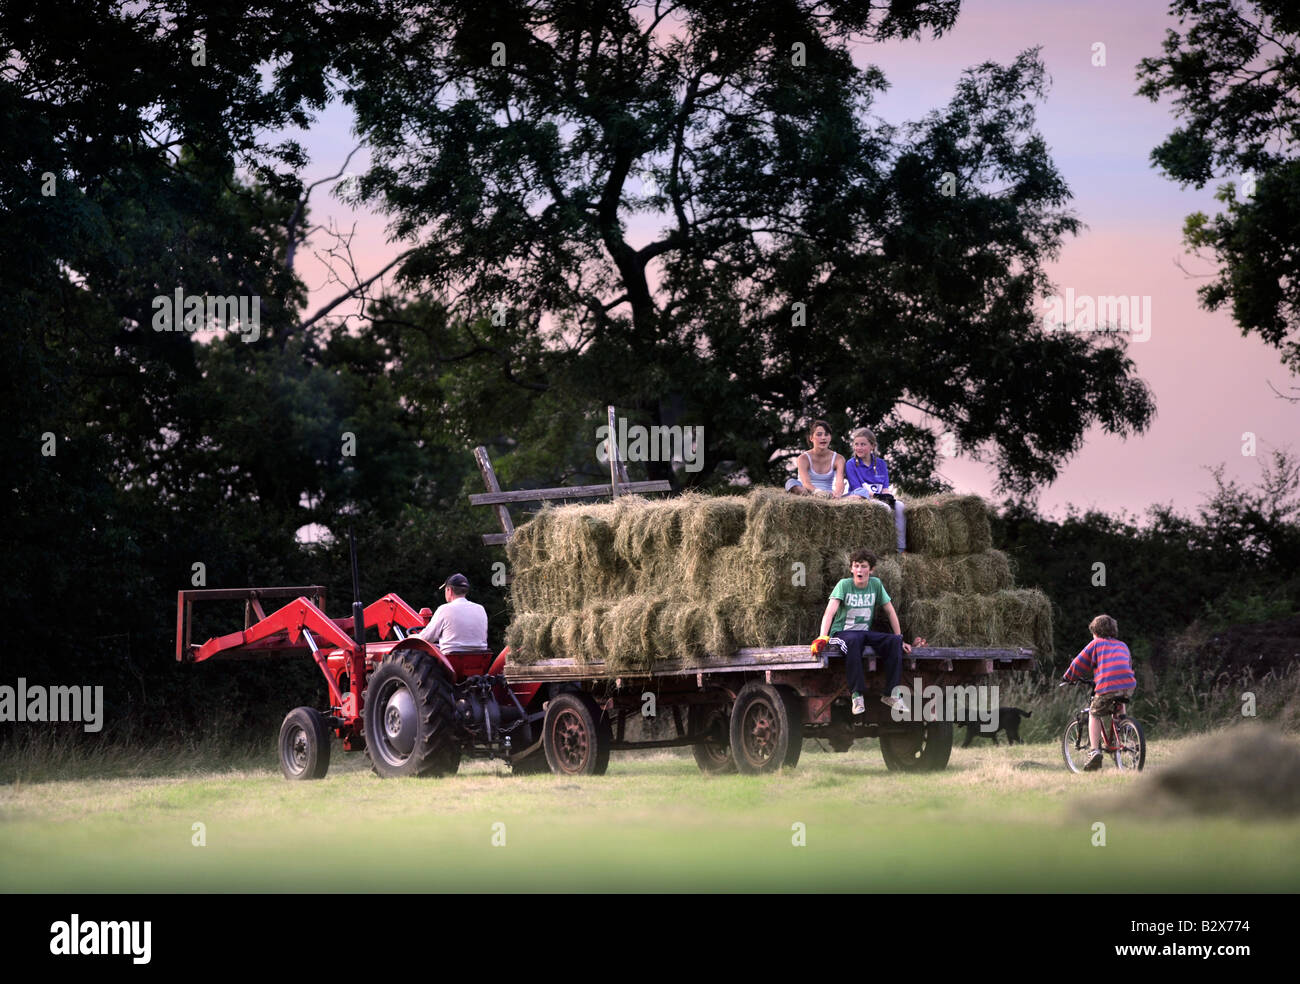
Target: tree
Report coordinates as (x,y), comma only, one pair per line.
(1256,528)
(1235,78)
(808,262)
(129,126)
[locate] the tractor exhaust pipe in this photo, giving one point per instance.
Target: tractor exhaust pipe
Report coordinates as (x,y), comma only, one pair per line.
(358,611)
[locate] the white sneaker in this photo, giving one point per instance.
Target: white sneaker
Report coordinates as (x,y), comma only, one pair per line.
(859,704)
(895,703)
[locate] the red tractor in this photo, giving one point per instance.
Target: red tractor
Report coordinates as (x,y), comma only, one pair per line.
(414,709)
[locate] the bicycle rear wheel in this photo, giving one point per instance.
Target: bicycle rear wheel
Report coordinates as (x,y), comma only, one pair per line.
(1132,752)
(1074,746)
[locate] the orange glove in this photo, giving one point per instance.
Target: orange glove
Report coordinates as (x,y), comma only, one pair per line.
(820,643)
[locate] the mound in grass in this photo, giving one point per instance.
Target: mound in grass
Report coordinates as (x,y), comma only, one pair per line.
(1251,772)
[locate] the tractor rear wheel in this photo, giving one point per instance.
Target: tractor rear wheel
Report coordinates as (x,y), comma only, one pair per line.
(409,716)
(304,744)
(576,735)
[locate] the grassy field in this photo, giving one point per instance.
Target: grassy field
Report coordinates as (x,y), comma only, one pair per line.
(997,819)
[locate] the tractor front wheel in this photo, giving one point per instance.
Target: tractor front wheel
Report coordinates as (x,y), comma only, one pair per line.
(304,744)
(409,716)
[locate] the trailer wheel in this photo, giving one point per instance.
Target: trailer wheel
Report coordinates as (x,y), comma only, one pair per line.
(304,744)
(761,730)
(409,718)
(576,735)
(713,754)
(924,746)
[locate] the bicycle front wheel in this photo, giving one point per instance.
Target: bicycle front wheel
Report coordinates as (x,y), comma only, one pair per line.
(1074,746)
(1132,752)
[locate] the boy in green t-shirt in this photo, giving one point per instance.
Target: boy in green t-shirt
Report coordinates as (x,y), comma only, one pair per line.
(847,625)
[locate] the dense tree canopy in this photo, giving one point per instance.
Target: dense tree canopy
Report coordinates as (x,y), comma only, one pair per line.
(1233,69)
(803,259)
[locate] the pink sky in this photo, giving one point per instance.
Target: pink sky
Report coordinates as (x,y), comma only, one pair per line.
(1210,384)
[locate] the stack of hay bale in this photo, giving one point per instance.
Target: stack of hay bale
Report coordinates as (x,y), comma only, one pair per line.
(636,581)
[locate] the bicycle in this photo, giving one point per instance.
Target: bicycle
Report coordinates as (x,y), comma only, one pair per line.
(1124,739)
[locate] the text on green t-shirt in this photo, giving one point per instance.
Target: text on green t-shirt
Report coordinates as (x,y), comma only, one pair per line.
(857,605)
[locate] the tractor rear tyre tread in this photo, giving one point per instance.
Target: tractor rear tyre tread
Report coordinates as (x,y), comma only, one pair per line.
(435,748)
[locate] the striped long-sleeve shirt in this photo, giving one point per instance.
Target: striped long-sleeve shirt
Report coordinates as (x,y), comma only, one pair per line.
(1107,663)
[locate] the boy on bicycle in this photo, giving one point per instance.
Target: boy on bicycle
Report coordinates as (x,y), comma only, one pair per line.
(1108,664)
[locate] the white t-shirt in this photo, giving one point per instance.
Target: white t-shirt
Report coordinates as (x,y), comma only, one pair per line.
(460,626)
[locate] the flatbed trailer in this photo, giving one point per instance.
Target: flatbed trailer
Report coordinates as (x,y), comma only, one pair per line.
(750,711)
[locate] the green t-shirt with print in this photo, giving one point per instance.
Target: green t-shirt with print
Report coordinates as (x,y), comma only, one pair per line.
(857,605)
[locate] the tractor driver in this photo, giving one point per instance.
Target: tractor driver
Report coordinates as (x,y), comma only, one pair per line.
(459,626)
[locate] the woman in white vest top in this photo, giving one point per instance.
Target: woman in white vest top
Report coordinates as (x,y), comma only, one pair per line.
(821,470)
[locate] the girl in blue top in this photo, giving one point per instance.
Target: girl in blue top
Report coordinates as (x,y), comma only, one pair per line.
(868,477)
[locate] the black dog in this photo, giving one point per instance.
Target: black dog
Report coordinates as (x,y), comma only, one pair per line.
(1008,721)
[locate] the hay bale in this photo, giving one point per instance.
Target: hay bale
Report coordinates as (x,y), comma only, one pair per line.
(773,518)
(775,580)
(927,528)
(647,531)
(710,523)
(556,588)
(947,524)
(854,522)
(632,627)
(978,522)
(527,547)
(597,634)
(566,636)
(977,573)
(1009,618)
(764,625)
(529,637)
(780,523)
(657,629)
(699,629)
(581,535)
